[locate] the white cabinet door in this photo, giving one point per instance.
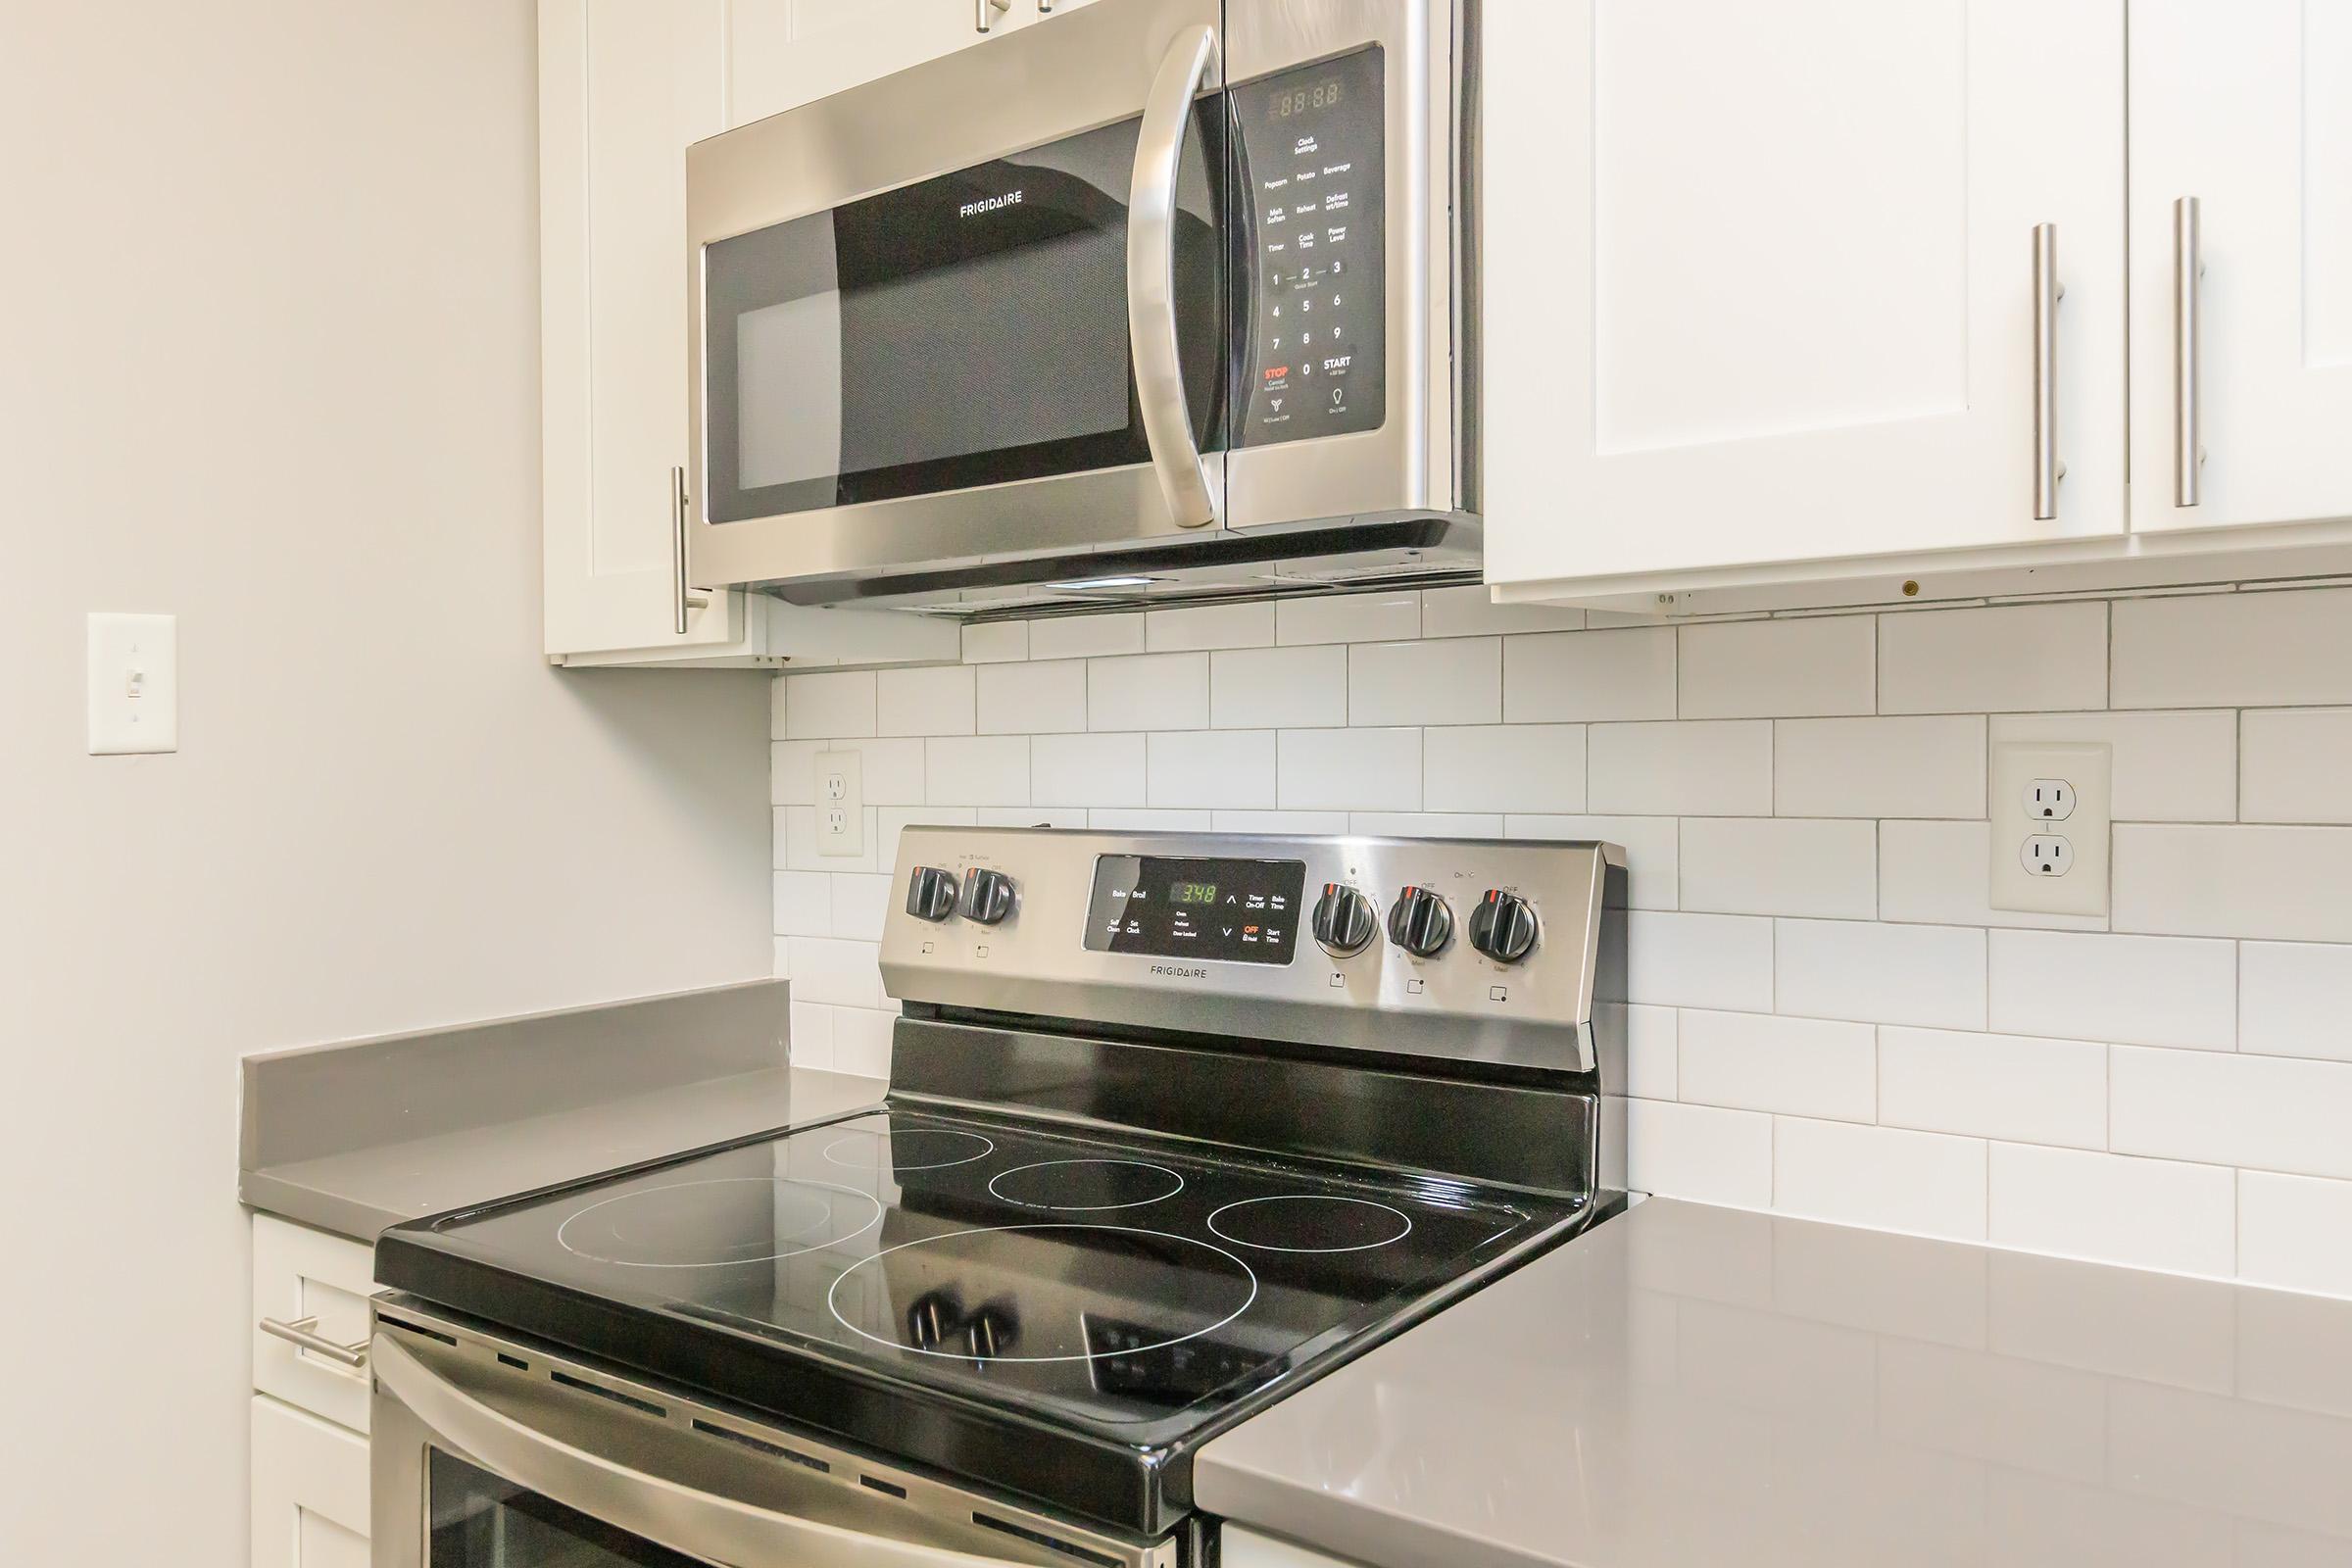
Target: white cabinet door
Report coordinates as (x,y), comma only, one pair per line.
(791,52)
(309,1490)
(1759,279)
(2245,107)
(302,1275)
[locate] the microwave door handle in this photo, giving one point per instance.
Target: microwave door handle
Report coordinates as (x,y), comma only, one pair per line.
(1153,330)
(699,1524)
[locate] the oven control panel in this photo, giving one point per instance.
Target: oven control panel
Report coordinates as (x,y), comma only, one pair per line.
(1313,170)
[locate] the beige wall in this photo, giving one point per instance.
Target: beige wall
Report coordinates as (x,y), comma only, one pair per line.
(269,361)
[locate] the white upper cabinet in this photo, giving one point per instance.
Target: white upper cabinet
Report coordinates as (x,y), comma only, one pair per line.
(1760,282)
(791,52)
(2245,107)
(624,87)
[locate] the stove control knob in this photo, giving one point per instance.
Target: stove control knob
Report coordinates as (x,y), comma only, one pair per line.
(1343,920)
(1420,923)
(931,894)
(987,896)
(1504,926)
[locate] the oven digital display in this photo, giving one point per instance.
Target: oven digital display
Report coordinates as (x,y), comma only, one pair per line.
(1227,910)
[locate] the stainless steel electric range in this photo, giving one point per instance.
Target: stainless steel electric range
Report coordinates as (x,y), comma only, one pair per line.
(1175,1123)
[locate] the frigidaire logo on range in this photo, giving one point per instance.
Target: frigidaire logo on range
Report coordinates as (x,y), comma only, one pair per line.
(990,203)
(1179,971)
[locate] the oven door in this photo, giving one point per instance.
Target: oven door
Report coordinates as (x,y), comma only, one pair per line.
(482,1459)
(974,311)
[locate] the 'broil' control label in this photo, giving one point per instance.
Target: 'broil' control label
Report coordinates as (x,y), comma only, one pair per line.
(1317,350)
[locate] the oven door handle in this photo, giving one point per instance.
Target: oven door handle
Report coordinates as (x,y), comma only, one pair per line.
(699,1524)
(1154,333)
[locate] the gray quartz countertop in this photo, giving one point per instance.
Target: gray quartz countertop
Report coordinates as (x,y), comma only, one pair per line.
(353,1138)
(1687,1386)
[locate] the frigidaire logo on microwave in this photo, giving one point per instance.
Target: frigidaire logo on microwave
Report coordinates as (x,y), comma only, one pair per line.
(990,203)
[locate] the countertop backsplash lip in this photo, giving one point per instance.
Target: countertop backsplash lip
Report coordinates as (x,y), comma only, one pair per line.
(1804,799)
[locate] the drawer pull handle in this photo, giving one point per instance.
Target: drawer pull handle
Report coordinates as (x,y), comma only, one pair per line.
(303,1332)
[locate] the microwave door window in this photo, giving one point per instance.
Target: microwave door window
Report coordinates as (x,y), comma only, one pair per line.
(967,330)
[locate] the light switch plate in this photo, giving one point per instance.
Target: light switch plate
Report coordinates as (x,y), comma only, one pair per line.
(135,684)
(840,803)
(2051,805)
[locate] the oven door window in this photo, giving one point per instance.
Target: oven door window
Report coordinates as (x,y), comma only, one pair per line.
(967,330)
(479,1521)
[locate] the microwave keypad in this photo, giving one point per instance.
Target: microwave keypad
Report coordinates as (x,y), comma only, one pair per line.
(1312,151)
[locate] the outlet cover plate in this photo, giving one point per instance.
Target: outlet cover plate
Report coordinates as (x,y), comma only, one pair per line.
(2088,768)
(840,803)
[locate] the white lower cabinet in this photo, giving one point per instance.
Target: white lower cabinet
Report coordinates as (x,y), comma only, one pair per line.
(309,1490)
(1245,1549)
(310,1410)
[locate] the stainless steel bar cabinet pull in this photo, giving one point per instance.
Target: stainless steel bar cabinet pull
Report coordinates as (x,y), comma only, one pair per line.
(2188,433)
(2047,292)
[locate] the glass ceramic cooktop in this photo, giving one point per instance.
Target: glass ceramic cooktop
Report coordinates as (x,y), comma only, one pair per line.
(1101,1281)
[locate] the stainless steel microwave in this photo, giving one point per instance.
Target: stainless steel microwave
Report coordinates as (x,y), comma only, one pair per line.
(1147,299)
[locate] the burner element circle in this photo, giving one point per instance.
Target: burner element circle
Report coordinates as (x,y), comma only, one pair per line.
(935,1148)
(1310,1222)
(1085,1186)
(1112,1263)
(657,1227)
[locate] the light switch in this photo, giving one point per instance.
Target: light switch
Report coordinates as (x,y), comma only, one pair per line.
(135,684)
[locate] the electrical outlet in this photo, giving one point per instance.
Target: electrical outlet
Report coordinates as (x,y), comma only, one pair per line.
(2050,805)
(840,803)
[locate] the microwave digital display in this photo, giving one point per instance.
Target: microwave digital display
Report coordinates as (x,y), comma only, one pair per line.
(1315,236)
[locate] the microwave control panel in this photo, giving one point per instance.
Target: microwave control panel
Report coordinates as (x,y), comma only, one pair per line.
(1311,159)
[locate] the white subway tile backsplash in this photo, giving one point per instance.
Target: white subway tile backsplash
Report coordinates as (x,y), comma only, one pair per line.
(1424,825)
(977,770)
(1651,846)
(821,706)
(1993,1086)
(2297,762)
(1780,866)
(2168,767)
(2148,991)
(996,642)
(1086,636)
(2143,1214)
(1996,659)
(1219,768)
(1350,770)
(2270,650)
(2287,883)
(1799,1066)
(1087,770)
(1279,688)
(2295,1232)
(2230,1108)
(1501,767)
(1780,668)
(2295,999)
(1827,1017)
(1347,618)
(862,1042)
(828,969)
(1928,1184)
(1700,1152)
(1153,691)
(1167,631)
(1456,681)
(803,904)
(860,903)
(1930,768)
(1929,975)
(932,699)
(1042,699)
(1470,610)
(1576,676)
(1698,960)
(1718,768)
(1934,873)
